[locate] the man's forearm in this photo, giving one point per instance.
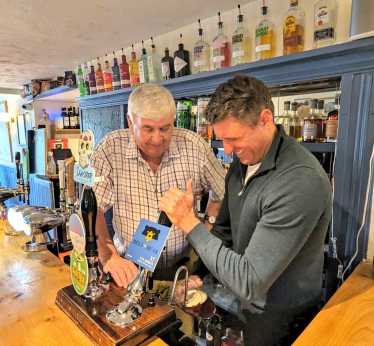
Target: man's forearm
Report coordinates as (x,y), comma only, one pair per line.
(104,242)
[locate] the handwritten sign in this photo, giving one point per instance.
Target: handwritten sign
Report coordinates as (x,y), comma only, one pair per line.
(146,246)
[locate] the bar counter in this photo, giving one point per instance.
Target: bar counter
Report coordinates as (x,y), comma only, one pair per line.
(348,317)
(29,283)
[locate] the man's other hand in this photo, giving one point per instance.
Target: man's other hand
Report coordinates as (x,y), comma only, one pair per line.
(122,270)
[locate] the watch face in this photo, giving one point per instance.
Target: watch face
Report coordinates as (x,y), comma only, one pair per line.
(212,219)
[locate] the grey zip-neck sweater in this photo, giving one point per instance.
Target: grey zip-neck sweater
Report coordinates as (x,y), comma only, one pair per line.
(267,243)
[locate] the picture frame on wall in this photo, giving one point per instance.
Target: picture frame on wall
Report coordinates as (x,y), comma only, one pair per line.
(5,143)
(4,106)
(21,129)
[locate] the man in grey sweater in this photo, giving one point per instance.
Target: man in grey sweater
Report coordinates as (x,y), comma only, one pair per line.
(266,244)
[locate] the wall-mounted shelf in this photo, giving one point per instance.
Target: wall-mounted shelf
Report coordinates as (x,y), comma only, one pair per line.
(65,93)
(55,131)
(312,147)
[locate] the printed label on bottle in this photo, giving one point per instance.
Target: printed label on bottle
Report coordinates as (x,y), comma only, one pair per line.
(151,73)
(134,80)
(115,84)
(322,15)
(100,87)
(165,66)
(125,82)
(72,121)
(219,58)
(199,63)
(179,64)
(237,38)
(262,31)
(323,34)
(292,41)
(238,53)
(331,128)
(290,24)
(181,107)
(262,48)
(198,49)
(141,72)
(93,87)
(309,131)
(66,122)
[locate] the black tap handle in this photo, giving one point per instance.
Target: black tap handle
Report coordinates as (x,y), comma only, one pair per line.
(163,219)
(18,160)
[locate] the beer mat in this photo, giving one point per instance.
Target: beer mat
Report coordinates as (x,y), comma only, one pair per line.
(146,246)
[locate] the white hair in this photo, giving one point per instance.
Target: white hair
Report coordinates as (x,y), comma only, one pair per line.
(151,101)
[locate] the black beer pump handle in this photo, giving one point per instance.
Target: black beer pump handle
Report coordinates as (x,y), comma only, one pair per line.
(163,219)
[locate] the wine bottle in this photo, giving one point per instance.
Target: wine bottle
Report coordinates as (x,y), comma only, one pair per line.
(88,208)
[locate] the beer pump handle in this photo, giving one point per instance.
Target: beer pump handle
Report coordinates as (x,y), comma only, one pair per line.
(71,188)
(26,173)
(18,170)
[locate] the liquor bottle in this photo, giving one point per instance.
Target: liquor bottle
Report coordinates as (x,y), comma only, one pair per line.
(265,39)
(76,117)
(71,118)
(107,76)
(124,71)
(167,66)
(321,109)
(154,65)
(99,78)
(193,127)
(332,122)
(210,330)
(181,60)
(184,113)
(293,31)
(65,116)
(284,119)
(80,80)
(309,127)
(318,120)
(325,23)
(204,129)
(143,67)
(134,69)
(296,124)
(116,79)
(241,52)
(86,73)
(221,49)
(201,328)
(92,81)
(201,53)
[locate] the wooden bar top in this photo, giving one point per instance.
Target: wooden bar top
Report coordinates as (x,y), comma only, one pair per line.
(348,317)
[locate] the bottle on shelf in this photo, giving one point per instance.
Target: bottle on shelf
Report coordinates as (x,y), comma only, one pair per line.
(184,113)
(107,76)
(167,66)
(154,65)
(204,129)
(241,50)
(193,127)
(116,79)
(143,66)
(92,81)
(86,73)
(181,60)
(76,117)
(65,116)
(309,127)
(332,122)
(318,120)
(325,12)
(71,118)
(293,30)
(80,80)
(321,109)
(124,71)
(134,69)
(284,119)
(296,124)
(265,39)
(221,48)
(99,78)
(201,53)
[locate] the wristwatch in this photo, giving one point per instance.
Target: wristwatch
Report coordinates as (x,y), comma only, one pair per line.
(211,219)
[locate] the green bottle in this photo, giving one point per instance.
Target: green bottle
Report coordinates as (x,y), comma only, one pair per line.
(143,67)
(184,116)
(81,86)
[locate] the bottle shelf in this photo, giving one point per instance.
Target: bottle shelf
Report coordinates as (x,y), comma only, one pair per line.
(312,147)
(68,131)
(65,93)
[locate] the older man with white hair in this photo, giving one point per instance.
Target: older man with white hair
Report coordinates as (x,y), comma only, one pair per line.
(140,164)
